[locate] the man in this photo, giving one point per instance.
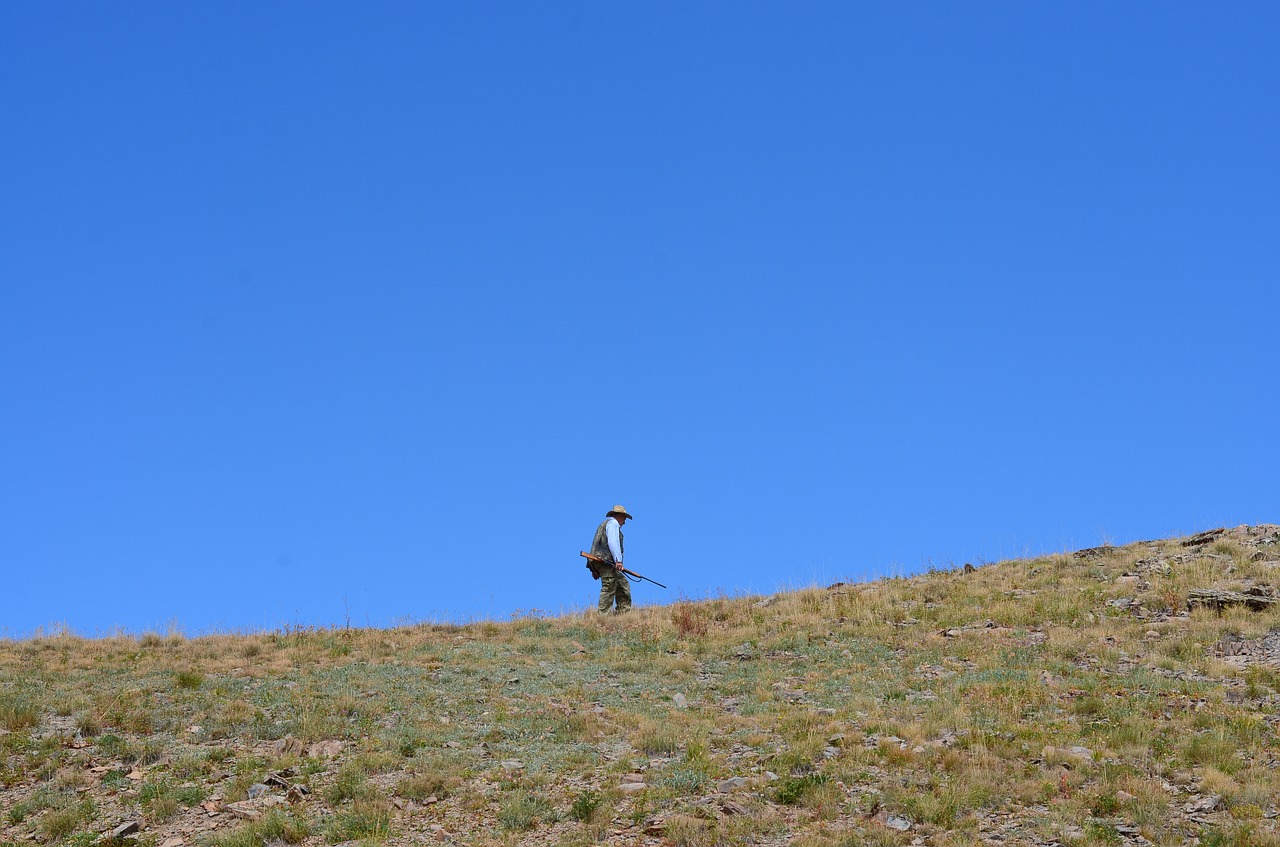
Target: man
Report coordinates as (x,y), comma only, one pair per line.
(614,585)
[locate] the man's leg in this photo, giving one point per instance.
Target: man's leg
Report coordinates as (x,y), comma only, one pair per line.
(608,584)
(623,592)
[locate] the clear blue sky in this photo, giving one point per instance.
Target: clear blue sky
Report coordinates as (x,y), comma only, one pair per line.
(316,312)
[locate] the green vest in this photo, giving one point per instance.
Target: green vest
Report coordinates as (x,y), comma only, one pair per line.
(600,544)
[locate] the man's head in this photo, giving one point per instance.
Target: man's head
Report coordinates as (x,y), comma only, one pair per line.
(619,513)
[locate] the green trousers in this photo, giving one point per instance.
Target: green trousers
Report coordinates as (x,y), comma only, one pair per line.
(614,586)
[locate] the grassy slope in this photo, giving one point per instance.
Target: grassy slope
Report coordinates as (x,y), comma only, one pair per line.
(950,702)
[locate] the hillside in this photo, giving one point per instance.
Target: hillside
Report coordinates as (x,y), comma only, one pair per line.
(1070,699)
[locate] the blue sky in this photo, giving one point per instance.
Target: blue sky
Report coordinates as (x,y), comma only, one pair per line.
(325,312)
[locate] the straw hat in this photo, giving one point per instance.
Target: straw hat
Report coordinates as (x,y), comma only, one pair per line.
(618,510)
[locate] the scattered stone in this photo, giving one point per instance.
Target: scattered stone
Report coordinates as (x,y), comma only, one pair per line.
(245,811)
(287,746)
(897,822)
(127,828)
(1204,804)
(1256,599)
(680,701)
(325,749)
(1083,753)
(278,780)
(731,784)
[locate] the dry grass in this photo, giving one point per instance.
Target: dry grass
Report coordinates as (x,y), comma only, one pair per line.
(1063,698)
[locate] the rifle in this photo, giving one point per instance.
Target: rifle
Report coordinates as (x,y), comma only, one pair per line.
(600,561)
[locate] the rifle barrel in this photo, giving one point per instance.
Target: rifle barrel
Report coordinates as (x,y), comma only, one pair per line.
(589,557)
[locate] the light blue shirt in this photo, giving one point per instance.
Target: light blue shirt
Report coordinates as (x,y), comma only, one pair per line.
(611,530)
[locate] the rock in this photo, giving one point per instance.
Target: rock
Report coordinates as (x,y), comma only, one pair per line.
(1124,797)
(1204,804)
(512,765)
(1151,634)
(733,783)
(631,777)
(768,601)
(288,746)
(744,652)
(127,828)
(632,787)
(1082,753)
(257,790)
(826,713)
(172,842)
(897,822)
(830,752)
(680,701)
(245,811)
(325,749)
(278,780)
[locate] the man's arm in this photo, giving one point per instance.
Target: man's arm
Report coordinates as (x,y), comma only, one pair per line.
(611,535)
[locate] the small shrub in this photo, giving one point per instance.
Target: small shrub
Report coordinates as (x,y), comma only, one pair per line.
(189,795)
(88,724)
(793,790)
(689,619)
(189,679)
(17,715)
(684,780)
(57,824)
(525,811)
(350,784)
(422,786)
(585,805)
(366,819)
(275,826)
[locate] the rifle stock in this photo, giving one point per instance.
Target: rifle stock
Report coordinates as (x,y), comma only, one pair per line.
(601,561)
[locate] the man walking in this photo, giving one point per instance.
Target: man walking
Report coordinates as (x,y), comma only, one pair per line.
(607,545)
